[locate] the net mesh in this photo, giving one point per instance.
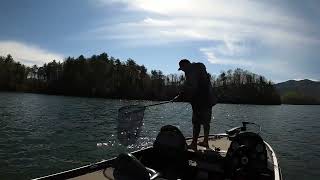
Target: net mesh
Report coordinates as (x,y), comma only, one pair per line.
(129,123)
(131,113)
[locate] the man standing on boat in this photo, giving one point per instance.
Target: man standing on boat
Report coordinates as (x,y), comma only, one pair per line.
(198,91)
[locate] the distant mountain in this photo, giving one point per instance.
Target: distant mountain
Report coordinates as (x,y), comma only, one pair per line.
(299,92)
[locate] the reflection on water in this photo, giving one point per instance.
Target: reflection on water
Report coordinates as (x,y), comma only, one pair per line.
(130,120)
(42,134)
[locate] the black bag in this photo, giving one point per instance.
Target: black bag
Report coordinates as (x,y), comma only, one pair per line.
(212,98)
(205,89)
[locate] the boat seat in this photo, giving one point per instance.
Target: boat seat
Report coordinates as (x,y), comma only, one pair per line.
(127,167)
(170,152)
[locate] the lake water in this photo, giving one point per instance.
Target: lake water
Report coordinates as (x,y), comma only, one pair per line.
(42,134)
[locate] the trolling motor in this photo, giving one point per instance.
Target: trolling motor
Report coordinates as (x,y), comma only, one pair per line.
(236,130)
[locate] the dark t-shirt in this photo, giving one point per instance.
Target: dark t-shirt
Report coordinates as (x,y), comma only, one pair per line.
(197,88)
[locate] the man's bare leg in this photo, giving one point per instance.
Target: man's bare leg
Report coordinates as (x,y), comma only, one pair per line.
(206,130)
(196,132)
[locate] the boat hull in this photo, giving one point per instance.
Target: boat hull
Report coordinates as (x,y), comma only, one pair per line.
(218,143)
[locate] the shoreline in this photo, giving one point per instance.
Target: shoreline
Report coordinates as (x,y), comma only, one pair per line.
(131,99)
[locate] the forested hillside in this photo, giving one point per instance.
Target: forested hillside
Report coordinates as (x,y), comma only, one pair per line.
(299,92)
(244,87)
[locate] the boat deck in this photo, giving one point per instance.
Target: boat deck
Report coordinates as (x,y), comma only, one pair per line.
(97,175)
(215,142)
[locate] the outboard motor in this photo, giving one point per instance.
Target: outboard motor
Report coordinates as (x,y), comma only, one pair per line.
(170,152)
(246,156)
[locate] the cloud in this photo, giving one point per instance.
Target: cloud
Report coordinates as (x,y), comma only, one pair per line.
(27,54)
(228,53)
(237,11)
(256,34)
(209,20)
(210,54)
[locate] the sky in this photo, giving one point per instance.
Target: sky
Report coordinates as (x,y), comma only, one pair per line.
(277,39)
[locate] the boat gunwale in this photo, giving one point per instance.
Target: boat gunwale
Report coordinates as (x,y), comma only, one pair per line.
(276,167)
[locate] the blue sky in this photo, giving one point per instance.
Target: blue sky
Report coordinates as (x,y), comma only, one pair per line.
(278,39)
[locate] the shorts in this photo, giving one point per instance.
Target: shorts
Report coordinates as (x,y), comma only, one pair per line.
(201,115)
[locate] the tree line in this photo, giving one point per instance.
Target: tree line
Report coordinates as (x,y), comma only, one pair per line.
(244,87)
(108,77)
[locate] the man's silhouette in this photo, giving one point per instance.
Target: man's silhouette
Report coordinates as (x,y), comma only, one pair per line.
(198,91)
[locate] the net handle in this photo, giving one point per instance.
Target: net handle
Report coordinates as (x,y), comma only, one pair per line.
(164,102)
(144,107)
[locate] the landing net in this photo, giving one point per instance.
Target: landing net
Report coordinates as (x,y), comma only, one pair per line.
(131,113)
(129,123)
